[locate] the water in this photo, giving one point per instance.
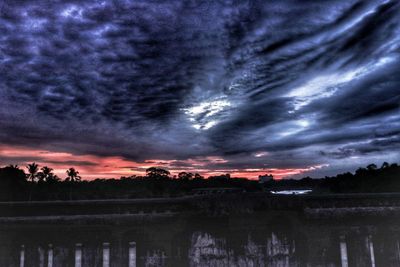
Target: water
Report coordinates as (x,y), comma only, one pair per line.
(291,192)
(265,239)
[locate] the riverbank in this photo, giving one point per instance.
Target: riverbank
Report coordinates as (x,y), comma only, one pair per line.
(94,211)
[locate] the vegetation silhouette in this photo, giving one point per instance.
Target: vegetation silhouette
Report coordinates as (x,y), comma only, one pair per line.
(43,184)
(73,175)
(33,168)
(157,173)
(47,175)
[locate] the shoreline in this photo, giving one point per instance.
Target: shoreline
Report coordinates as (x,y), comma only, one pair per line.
(223,205)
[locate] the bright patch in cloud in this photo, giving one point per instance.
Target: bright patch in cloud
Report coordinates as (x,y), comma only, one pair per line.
(205,114)
(321,87)
(207,108)
(34,24)
(295,127)
(326,85)
(72,12)
(260,154)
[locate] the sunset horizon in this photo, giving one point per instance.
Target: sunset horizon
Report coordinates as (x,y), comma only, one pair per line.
(92,167)
(193,133)
(113,87)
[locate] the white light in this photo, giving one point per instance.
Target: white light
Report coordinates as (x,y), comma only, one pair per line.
(72,12)
(207,108)
(326,85)
(321,87)
(294,127)
(319,84)
(384,61)
(209,124)
(101,30)
(35,24)
(196,126)
(260,154)
(205,115)
(303,123)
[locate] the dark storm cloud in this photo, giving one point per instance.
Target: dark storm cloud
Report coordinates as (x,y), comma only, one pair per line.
(308,82)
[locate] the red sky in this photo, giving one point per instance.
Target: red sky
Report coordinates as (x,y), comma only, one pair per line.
(92,167)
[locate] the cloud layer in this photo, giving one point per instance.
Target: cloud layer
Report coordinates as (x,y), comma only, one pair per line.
(284,84)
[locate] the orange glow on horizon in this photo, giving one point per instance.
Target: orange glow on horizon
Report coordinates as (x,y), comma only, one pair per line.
(91,167)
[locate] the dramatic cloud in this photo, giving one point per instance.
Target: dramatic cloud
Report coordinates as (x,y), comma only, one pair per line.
(304,87)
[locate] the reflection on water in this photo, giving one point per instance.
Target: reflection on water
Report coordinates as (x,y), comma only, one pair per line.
(291,192)
(267,240)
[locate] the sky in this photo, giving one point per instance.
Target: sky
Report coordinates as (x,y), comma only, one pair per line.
(291,88)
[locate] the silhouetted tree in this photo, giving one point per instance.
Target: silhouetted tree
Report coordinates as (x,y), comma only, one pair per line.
(131,177)
(12,174)
(12,182)
(33,168)
(14,185)
(72,175)
(198,176)
(220,177)
(48,175)
(15,166)
(157,173)
(371,167)
(369,179)
(361,171)
(185,176)
(385,165)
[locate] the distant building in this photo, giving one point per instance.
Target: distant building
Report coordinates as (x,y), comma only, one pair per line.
(265,178)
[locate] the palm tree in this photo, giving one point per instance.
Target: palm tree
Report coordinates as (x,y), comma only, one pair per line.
(73,175)
(47,175)
(32,171)
(47,172)
(15,166)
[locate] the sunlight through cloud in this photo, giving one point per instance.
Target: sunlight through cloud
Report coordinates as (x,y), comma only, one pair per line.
(205,113)
(326,85)
(72,12)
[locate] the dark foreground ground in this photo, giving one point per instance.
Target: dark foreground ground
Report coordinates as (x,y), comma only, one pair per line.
(216,205)
(246,229)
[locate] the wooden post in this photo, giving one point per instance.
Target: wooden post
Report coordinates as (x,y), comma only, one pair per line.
(371,250)
(50,256)
(106,254)
(343,252)
(22,256)
(132,254)
(398,251)
(78,255)
(41,252)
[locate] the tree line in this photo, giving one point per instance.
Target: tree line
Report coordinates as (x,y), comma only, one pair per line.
(41,183)
(369,179)
(45,174)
